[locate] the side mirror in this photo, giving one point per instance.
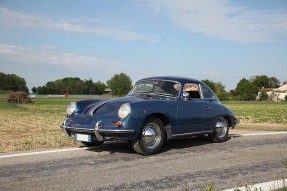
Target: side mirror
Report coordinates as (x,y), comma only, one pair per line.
(185,95)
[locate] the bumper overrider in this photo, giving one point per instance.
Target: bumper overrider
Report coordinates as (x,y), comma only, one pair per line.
(98,131)
(234,122)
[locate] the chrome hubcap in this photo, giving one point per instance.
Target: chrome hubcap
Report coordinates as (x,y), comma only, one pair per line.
(151,135)
(221,127)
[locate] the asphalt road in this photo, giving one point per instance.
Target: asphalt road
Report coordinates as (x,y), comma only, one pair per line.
(185,164)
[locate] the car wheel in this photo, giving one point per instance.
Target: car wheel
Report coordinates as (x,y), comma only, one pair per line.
(151,137)
(90,144)
(221,130)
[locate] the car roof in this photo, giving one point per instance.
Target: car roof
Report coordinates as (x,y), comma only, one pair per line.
(179,79)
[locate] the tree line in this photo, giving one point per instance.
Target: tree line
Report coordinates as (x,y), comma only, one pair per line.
(121,84)
(247,89)
(71,85)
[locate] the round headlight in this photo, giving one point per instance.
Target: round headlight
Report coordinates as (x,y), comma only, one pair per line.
(71,108)
(124,111)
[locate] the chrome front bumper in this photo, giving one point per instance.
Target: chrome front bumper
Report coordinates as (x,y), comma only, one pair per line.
(98,130)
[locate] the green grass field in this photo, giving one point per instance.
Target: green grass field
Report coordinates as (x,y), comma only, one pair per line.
(267,116)
(35,126)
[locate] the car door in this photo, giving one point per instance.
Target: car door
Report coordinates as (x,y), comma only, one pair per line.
(194,113)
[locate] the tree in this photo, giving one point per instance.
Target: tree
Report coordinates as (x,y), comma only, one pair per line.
(99,88)
(72,86)
(3,81)
(12,82)
(274,82)
(263,81)
(219,89)
(211,84)
(233,93)
(120,84)
(34,90)
(246,90)
(60,86)
(87,86)
(42,90)
(216,87)
(224,96)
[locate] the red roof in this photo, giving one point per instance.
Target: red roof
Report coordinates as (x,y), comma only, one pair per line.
(266,89)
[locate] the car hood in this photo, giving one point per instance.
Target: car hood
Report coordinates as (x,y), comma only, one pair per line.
(108,106)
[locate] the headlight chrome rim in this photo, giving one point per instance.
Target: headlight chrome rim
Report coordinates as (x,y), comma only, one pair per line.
(124,111)
(71,108)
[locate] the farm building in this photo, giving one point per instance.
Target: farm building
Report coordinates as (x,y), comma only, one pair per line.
(275,94)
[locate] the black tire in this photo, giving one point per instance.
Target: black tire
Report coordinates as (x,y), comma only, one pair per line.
(90,144)
(151,138)
(221,130)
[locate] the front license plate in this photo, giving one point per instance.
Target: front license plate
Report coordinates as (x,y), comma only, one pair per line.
(83,137)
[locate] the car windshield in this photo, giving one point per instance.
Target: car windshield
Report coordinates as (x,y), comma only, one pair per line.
(156,87)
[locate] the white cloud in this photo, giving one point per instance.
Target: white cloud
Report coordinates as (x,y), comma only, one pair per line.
(33,56)
(82,25)
(222,20)
(39,65)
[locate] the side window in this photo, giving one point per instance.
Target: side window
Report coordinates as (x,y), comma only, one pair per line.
(207,94)
(193,90)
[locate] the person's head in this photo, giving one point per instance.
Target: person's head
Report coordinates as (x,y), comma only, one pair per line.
(190,87)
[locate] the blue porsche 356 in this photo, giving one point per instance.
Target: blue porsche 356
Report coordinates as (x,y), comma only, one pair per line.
(155,110)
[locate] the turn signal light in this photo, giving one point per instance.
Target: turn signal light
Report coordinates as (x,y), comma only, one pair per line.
(118,123)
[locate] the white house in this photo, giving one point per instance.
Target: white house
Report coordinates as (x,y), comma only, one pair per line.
(275,94)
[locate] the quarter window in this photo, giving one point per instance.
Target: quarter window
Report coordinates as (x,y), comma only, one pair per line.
(207,94)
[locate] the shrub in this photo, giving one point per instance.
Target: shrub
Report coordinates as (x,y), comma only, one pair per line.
(224,96)
(18,97)
(263,96)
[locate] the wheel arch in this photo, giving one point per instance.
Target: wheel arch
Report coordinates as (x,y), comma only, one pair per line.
(229,119)
(225,116)
(221,135)
(164,119)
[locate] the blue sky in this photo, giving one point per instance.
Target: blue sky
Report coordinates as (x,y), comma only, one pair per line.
(219,40)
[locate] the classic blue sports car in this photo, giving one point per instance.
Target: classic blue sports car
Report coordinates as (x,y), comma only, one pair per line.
(156,109)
